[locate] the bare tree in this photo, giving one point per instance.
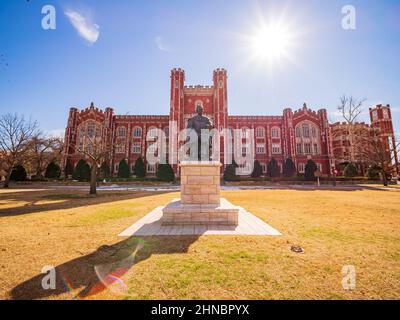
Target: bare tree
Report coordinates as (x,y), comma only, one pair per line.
(377,151)
(97,153)
(15,136)
(44,150)
(351,109)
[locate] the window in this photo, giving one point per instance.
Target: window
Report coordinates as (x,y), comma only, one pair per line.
(116,168)
(176,83)
(298,132)
(91,128)
(276,148)
(221,84)
(151,168)
(301,167)
(306,131)
(245,133)
(319,167)
(260,133)
(137,132)
(299,148)
(137,148)
(375,115)
(166,131)
(264,167)
(245,169)
(307,148)
(260,149)
(316,151)
(275,133)
(313,132)
(385,114)
(120,148)
(121,132)
(244,150)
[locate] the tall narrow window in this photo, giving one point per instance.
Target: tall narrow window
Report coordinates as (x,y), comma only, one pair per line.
(298,132)
(91,128)
(307,148)
(316,151)
(306,131)
(137,133)
(299,149)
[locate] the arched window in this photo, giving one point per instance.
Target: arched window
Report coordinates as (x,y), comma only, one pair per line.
(137,132)
(121,132)
(308,139)
(275,132)
(260,132)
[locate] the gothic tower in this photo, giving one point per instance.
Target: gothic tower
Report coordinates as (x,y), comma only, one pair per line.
(381,117)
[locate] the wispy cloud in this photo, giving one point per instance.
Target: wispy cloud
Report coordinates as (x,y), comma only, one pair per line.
(82,24)
(161,45)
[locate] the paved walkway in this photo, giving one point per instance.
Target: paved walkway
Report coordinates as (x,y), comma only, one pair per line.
(150,225)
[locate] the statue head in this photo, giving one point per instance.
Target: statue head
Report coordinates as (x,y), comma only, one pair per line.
(199,110)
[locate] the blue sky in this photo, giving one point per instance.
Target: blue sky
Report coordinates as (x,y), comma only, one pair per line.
(126,58)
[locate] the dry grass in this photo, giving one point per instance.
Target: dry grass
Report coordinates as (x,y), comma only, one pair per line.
(75,232)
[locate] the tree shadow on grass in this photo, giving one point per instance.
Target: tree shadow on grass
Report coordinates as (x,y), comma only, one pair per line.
(90,275)
(58,201)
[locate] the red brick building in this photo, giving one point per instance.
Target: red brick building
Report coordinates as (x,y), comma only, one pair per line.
(297,134)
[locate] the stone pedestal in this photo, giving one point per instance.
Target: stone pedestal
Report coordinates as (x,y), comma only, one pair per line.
(200,202)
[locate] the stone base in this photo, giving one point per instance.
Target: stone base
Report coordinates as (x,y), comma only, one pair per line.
(177,213)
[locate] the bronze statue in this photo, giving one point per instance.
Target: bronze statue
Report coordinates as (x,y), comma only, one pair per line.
(199,123)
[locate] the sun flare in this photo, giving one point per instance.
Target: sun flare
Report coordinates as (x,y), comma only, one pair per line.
(271,42)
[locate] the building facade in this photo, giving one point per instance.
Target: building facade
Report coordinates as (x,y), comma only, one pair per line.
(301,134)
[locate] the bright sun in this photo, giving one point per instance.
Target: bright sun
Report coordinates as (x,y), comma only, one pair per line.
(271,42)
